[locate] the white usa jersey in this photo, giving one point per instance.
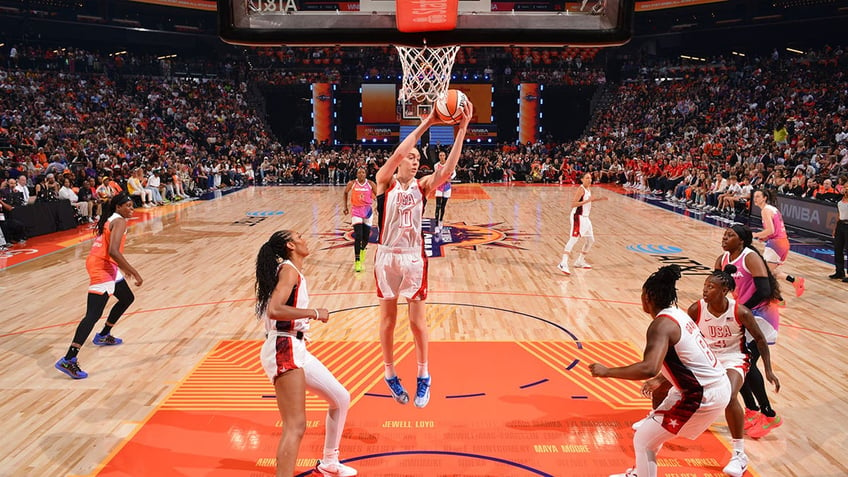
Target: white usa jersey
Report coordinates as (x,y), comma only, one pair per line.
(298,298)
(585,209)
(690,365)
(400,215)
(725,333)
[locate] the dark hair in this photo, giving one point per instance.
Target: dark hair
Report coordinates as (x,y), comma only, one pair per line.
(725,277)
(109,208)
(271,255)
(770,195)
(747,238)
(660,286)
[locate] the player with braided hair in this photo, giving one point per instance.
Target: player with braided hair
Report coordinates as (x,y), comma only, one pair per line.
(700,389)
(724,322)
(282,304)
(757,289)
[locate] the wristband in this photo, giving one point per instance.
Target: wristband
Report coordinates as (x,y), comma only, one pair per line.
(317,317)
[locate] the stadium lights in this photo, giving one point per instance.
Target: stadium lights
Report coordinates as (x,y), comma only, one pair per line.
(165,57)
(737,53)
(118,53)
(793,50)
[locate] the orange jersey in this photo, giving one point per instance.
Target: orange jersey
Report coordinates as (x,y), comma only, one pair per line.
(100,265)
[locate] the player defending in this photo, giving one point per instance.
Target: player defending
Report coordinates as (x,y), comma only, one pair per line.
(581,226)
(360,204)
(400,267)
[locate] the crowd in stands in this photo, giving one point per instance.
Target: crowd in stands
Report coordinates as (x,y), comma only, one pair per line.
(675,128)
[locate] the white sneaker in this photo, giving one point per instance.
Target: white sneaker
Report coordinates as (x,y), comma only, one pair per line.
(737,466)
(629,473)
(335,470)
(582,264)
(563,267)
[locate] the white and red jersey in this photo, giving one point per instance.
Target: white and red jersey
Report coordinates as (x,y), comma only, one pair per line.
(400,216)
(585,209)
(690,365)
(361,199)
(298,298)
(725,334)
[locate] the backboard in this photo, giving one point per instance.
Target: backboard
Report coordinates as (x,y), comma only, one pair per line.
(373,23)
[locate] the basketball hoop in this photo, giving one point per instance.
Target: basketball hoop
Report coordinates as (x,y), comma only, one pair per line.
(426,72)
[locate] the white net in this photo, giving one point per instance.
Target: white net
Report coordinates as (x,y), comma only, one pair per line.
(426,72)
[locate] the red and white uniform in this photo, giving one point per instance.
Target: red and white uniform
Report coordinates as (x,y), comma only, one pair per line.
(103,271)
(581,226)
(282,349)
(700,389)
(725,336)
(400,266)
(360,200)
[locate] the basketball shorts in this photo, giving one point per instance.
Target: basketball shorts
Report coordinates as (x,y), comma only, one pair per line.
(400,272)
(581,226)
(107,286)
(443,193)
(736,361)
(688,418)
(282,352)
(362,220)
(776,251)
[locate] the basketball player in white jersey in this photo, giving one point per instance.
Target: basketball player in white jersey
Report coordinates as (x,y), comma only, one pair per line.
(581,226)
(700,389)
(400,267)
(362,193)
(282,304)
(724,323)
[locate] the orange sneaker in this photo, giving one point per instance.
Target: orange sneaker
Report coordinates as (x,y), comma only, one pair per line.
(764,426)
(751,418)
(799,286)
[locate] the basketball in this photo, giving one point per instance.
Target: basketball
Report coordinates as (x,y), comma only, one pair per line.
(449,108)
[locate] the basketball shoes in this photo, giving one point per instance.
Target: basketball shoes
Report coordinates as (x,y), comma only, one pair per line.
(628,473)
(737,466)
(563,267)
(422,392)
(335,470)
(751,418)
(106,340)
(580,263)
(764,425)
(398,392)
(71,368)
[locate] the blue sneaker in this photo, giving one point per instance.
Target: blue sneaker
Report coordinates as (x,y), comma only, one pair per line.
(422,392)
(107,340)
(397,390)
(71,368)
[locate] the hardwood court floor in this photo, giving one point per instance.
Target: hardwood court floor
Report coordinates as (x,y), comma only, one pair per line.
(198,263)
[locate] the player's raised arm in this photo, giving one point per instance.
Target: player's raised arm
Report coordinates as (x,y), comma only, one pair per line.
(384,175)
(443,174)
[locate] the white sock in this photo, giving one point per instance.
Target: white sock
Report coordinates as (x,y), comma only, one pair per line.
(564,259)
(738,445)
(423,372)
(331,456)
